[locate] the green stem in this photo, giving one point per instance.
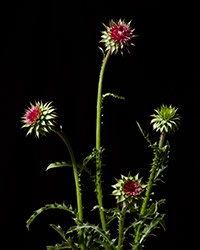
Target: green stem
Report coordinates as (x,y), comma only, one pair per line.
(162,139)
(77,184)
(149,187)
(98,143)
(121,228)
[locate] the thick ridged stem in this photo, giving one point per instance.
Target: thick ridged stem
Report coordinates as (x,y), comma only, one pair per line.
(121,228)
(77,184)
(98,143)
(149,187)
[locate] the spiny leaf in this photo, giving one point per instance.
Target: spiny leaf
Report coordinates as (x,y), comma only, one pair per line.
(90,157)
(146,136)
(163,162)
(68,244)
(104,244)
(47,207)
(81,167)
(133,225)
(102,51)
(58,165)
(113,95)
(66,164)
(154,224)
(111,213)
(59,230)
(95,229)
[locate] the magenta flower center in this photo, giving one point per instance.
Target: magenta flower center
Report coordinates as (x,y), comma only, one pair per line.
(120,33)
(132,188)
(32,114)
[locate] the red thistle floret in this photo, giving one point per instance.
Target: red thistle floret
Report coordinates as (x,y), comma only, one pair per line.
(32,114)
(120,33)
(132,188)
(117,36)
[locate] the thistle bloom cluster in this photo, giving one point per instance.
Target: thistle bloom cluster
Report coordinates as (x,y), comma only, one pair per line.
(131,194)
(128,189)
(39,118)
(117,36)
(166,119)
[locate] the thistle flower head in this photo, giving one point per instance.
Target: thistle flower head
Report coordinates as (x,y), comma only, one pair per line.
(39,118)
(117,36)
(128,189)
(166,119)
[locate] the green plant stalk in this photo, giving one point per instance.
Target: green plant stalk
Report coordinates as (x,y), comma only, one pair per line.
(98,143)
(77,184)
(149,187)
(121,227)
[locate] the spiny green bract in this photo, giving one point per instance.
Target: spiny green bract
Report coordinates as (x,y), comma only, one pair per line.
(166,119)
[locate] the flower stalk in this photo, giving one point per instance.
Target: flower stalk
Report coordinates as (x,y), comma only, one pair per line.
(152,175)
(121,227)
(76,177)
(149,187)
(77,182)
(165,120)
(98,143)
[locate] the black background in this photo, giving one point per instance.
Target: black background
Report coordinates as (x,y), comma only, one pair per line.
(49,51)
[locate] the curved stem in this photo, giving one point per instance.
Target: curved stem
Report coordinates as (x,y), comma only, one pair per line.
(98,143)
(149,187)
(76,178)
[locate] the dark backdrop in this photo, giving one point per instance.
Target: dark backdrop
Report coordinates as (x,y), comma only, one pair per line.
(49,51)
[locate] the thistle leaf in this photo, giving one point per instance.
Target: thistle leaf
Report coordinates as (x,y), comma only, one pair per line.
(47,207)
(146,136)
(58,165)
(154,224)
(97,230)
(64,245)
(59,230)
(104,244)
(101,48)
(113,95)
(87,159)
(90,157)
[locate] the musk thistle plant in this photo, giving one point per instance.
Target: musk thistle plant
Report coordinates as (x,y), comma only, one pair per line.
(117,36)
(137,211)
